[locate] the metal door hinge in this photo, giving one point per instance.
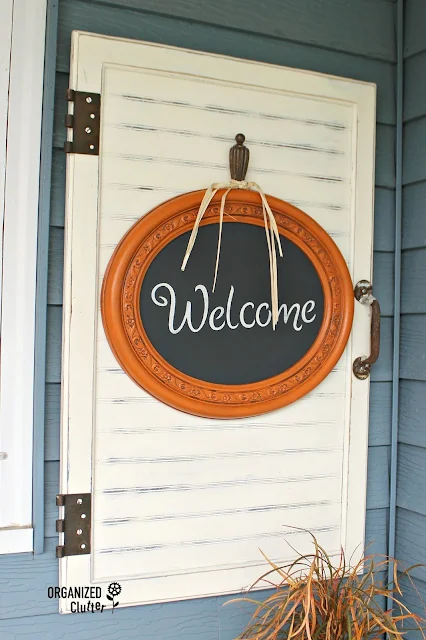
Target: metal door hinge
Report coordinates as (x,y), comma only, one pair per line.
(84,122)
(76,524)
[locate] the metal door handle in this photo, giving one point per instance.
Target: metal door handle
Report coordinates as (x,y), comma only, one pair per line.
(363,293)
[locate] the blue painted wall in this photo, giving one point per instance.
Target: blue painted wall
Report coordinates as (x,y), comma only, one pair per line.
(411,494)
(355,38)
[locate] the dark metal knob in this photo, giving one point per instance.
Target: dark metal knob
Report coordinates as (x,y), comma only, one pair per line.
(239,157)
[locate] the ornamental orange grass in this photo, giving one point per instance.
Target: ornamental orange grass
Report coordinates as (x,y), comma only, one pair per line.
(316,600)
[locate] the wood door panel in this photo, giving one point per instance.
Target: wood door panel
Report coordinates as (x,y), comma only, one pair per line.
(175,496)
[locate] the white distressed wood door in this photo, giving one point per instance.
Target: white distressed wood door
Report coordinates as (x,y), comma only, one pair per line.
(181,504)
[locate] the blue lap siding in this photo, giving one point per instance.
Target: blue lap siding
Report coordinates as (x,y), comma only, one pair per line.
(356,39)
(411,494)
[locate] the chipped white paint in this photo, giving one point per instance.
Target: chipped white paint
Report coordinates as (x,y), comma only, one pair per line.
(185,501)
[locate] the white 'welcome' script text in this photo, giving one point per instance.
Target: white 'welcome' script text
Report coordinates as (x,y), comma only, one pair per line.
(217,318)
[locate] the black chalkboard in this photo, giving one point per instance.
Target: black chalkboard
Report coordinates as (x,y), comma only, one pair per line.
(234,353)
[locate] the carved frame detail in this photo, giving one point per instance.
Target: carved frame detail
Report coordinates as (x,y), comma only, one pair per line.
(140,360)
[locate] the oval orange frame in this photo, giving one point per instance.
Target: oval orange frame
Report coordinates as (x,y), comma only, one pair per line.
(137,356)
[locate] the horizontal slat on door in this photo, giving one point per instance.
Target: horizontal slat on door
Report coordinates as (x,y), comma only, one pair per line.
(208,545)
(297,20)
(118,397)
(377,489)
(107,20)
(380,415)
(254,438)
(384,210)
(384,150)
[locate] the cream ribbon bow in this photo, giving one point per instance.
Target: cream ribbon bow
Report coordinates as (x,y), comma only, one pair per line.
(271,230)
